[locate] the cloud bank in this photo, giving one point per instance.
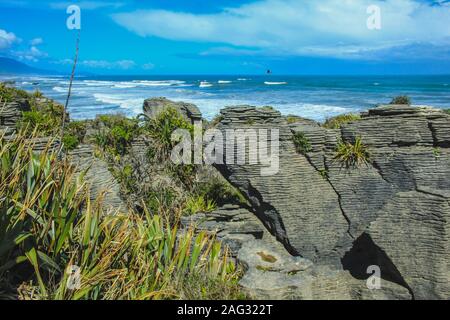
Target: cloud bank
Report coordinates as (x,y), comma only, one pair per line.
(330,28)
(7,39)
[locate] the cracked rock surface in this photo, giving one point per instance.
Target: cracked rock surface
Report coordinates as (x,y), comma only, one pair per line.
(392,212)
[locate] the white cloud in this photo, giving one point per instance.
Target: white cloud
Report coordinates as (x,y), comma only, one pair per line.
(7,39)
(315,28)
(87,5)
(148,66)
(33,54)
(101,64)
(36,41)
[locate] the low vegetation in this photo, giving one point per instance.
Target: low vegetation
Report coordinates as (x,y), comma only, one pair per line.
(49,227)
(161,128)
(290,119)
(57,244)
(405,100)
(340,120)
(301,142)
(115,133)
(44,118)
(74,134)
(447,111)
(352,154)
(10,94)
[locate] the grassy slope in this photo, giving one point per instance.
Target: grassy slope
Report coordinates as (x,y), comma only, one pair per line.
(49,224)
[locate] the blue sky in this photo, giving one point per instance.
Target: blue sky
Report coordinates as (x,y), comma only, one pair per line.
(231,37)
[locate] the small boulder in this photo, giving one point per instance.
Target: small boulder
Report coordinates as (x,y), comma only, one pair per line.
(154,106)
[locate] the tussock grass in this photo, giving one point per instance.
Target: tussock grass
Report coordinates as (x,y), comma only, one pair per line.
(338,121)
(401,100)
(352,154)
(48,225)
(161,128)
(301,142)
(115,133)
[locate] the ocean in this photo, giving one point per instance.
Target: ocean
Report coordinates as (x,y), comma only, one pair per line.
(313,97)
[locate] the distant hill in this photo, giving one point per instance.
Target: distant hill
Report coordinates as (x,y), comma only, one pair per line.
(11,66)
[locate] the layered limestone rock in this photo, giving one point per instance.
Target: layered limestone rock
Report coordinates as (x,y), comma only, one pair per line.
(294,203)
(11,113)
(271,272)
(232,224)
(392,212)
(154,106)
(101,181)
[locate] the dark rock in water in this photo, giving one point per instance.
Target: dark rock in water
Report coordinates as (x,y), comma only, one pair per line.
(396,207)
(152,107)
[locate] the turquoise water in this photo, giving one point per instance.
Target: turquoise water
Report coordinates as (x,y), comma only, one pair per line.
(315,97)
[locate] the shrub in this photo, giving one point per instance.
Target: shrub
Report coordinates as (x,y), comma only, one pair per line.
(204,287)
(125,177)
(115,133)
(301,143)
(49,225)
(161,129)
(338,121)
(352,155)
(219,191)
(44,118)
(42,123)
(401,100)
(447,111)
(9,94)
(186,173)
(74,134)
(290,119)
(70,142)
(197,204)
(164,201)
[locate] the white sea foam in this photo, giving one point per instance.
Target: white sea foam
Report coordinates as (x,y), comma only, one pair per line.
(131,103)
(125,85)
(270,83)
(243,79)
(159,83)
(98,83)
(223,81)
(205,84)
(318,112)
(59,89)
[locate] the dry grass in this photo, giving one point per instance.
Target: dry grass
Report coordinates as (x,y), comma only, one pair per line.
(48,224)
